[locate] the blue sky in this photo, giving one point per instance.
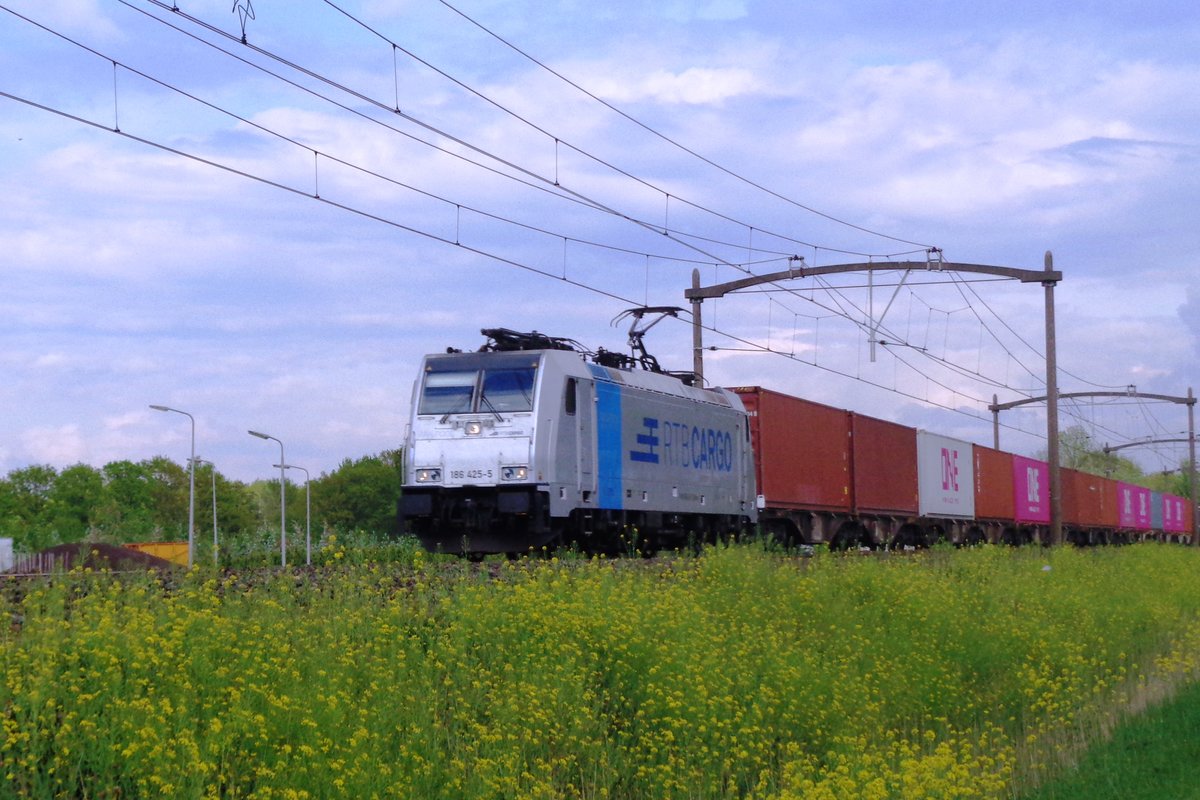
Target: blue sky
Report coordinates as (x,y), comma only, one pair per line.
(132,275)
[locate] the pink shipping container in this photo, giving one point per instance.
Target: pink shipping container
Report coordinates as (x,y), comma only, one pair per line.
(1031,490)
(884,466)
(993,484)
(1133,507)
(1176,514)
(801,451)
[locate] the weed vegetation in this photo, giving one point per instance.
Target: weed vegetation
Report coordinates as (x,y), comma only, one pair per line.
(736,673)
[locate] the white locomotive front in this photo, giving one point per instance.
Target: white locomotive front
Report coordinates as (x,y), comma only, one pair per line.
(511,448)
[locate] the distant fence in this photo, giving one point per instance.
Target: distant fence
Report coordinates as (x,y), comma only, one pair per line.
(38,563)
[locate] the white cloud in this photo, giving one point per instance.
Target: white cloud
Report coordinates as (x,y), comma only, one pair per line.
(56,445)
(691,86)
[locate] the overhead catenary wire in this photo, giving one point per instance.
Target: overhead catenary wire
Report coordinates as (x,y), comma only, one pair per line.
(561,141)
(380,218)
(674,142)
(707,257)
(644,224)
(588,201)
(475,250)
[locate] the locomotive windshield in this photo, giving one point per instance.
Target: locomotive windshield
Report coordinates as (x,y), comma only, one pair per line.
(508,389)
(484,383)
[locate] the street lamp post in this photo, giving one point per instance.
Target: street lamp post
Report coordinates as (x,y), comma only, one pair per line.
(191,482)
(307,514)
(216,561)
(282,500)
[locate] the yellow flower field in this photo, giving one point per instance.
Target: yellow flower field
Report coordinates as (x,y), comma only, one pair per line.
(737,673)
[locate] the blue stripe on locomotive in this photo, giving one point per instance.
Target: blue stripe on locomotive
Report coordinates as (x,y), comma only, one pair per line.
(609,454)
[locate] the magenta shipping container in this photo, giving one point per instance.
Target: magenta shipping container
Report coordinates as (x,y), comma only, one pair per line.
(1031,490)
(1174,514)
(1133,506)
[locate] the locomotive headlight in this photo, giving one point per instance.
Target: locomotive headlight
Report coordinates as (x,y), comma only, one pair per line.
(514,473)
(474,428)
(429,475)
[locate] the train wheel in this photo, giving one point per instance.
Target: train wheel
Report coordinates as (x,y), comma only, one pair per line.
(909,537)
(782,534)
(850,536)
(974,537)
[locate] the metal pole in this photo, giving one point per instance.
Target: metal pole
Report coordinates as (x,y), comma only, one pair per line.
(282,499)
(995,422)
(1056,532)
(213,473)
(307,513)
(191,483)
(282,510)
(1192,468)
(213,467)
(697,335)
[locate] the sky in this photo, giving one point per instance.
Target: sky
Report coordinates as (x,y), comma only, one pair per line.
(269,234)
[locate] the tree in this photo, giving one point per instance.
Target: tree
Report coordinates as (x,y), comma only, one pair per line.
(126,512)
(1077,450)
(24,505)
(169,491)
(74,498)
(360,494)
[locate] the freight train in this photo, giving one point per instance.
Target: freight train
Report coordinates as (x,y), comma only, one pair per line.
(533,441)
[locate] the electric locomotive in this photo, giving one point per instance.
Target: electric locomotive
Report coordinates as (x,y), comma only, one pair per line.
(534,441)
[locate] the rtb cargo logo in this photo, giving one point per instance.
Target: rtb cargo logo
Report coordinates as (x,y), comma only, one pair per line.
(678,444)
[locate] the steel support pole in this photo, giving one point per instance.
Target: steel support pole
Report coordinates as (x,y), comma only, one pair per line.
(282,498)
(191,482)
(216,561)
(995,422)
(192,498)
(1192,468)
(1056,532)
(697,333)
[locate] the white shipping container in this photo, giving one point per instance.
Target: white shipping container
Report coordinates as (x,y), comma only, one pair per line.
(945,476)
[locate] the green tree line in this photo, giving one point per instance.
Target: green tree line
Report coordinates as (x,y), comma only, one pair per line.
(1077,450)
(127,501)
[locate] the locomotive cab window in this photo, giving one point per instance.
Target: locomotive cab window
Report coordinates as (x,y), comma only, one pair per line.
(482,384)
(570,397)
(507,390)
(447,392)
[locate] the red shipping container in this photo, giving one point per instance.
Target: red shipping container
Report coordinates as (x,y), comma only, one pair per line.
(884,466)
(801,451)
(994,484)
(1088,500)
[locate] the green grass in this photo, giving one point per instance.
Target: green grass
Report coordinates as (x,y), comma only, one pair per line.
(1153,756)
